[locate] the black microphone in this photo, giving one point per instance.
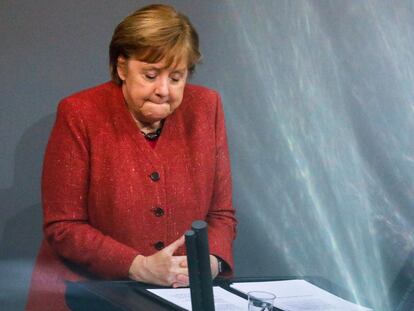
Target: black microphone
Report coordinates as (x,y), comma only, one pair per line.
(207,297)
(193,270)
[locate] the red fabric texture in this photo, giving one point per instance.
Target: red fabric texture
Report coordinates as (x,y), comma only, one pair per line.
(99,199)
(152,143)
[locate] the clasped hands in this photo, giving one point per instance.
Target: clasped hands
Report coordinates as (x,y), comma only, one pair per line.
(163,268)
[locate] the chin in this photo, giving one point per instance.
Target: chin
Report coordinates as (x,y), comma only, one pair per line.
(156,118)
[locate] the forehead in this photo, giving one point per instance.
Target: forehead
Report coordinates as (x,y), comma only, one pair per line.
(162,65)
(176,57)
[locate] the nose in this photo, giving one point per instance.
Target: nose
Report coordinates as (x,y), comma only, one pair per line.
(162,87)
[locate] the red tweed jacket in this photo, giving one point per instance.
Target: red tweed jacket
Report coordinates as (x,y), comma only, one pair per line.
(102,205)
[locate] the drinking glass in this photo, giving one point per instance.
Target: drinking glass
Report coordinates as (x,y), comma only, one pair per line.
(260,301)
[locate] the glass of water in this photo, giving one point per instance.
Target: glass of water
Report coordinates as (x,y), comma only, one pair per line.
(260,301)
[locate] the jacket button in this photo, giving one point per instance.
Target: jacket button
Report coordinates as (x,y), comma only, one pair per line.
(158,211)
(159,245)
(155,176)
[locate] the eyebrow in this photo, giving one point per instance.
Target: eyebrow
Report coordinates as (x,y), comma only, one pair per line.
(174,70)
(180,71)
(150,67)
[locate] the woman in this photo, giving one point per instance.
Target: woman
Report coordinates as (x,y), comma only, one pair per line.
(131,163)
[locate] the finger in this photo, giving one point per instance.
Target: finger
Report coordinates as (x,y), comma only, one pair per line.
(183,271)
(176,285)
(178,259)
(170,249)
(181,261)
(182,279)
(178,276)
(214,266)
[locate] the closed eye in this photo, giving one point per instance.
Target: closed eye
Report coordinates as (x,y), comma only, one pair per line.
(150,76)
(176,77)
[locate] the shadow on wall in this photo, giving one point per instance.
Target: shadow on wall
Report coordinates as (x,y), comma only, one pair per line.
(401,294)
(21,222)
(252,239)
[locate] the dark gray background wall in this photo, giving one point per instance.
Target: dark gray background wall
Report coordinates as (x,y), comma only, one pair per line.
(319,101)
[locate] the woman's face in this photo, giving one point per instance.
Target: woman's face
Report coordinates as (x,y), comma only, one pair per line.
(151,90)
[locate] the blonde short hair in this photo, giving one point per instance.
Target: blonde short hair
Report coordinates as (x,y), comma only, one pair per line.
(155,33)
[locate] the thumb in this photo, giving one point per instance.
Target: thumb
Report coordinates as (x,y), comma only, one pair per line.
(170,249)
(184,263)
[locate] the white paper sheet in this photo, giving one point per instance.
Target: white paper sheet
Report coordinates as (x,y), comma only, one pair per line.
(223,299)
(300,295)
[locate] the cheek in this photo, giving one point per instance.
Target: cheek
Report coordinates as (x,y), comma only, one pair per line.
(140,95)
(177,97)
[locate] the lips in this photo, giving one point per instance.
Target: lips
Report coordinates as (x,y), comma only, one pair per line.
(151,108)
(149,100)
(155,105)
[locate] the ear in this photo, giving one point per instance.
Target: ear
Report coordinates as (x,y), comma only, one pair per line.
(121,67)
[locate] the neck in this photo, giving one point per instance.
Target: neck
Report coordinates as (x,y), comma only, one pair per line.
(147,127)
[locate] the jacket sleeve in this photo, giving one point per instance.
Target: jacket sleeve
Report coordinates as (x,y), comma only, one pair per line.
(221,217)
(65,182)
